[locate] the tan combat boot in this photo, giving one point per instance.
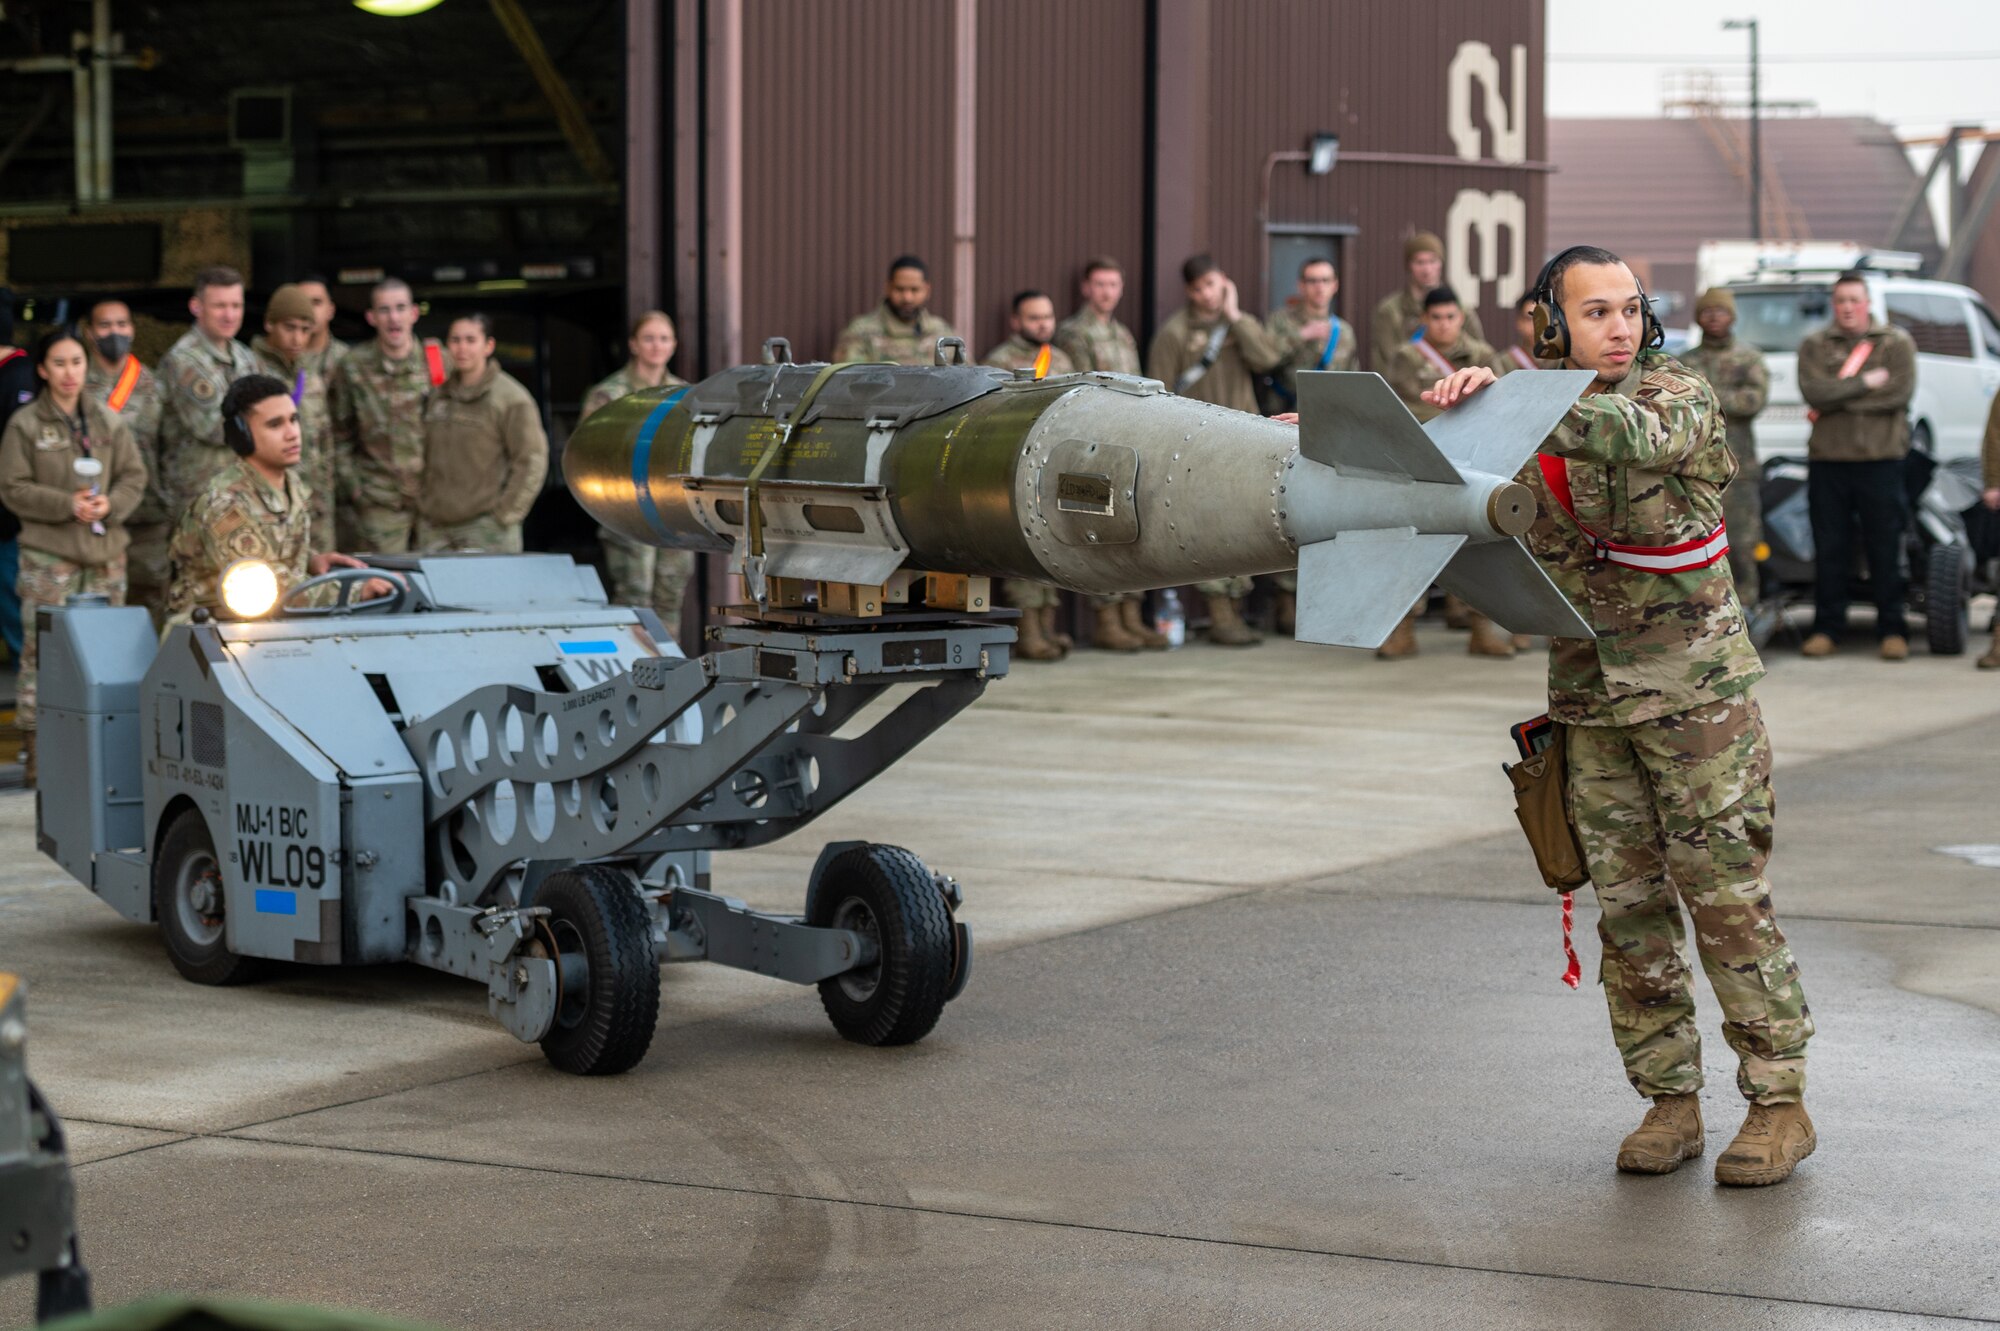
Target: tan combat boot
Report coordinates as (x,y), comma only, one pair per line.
(1669,1134)
(1403,642)
(1895,647)
(1226,627)
(1991,661)
(1110,633)
(1287,612)
(1457,614)
(1135,624)
(1487,639)
(1773,1141)
(1033,644)
(1052,628)
(1818,645)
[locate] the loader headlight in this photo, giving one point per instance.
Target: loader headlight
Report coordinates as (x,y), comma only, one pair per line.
(250,588)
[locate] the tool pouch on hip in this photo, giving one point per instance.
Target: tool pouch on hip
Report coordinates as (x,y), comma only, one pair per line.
(1541,802)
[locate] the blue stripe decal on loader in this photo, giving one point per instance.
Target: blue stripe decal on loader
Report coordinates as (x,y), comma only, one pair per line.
(600,647)
(642,458)
(277,903)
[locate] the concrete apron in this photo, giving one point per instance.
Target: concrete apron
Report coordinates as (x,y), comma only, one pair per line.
(1233,1109)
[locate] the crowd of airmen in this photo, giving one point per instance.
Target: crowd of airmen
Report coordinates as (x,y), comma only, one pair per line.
(405,444)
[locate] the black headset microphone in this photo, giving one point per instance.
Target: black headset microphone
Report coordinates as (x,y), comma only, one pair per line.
(1552,340)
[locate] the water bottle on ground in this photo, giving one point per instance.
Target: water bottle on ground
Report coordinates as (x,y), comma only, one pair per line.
(1169,619)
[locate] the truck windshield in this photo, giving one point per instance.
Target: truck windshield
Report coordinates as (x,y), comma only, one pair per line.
(1778,318)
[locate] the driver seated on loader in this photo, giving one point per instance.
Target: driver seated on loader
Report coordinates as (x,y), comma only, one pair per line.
(246,539)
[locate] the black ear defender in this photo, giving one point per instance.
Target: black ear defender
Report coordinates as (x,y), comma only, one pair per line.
(238,439)
(1552,341)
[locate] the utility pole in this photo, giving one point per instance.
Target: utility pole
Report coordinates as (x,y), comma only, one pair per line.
(1756,146)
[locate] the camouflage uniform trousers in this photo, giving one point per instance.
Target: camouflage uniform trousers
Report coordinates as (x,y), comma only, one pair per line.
(1023,594)
(1682,804)
(149,568)
(1743,513)
(647,575)
(483,533)
(378,530)
(47,580)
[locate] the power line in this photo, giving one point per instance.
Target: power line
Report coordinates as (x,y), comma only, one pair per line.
(1913,58)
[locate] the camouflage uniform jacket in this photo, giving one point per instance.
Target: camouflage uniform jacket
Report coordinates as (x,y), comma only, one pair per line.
(620,383)
(194,375)
(1302,353)
(1989,447)
(1857,423)
(327,359)
(1248,350)
(880,336)
(141,417)
(1735,370)
(316,464)
(1647,461)
(239,516)
(1016,353)
(485,452)
(1397,320)
(1411,371)
(377,408)
(1092,343)
(38,450)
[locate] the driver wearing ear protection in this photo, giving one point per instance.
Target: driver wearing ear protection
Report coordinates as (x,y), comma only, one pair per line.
(258,508)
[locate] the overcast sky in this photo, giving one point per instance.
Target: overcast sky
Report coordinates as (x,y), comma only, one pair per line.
(1914,95)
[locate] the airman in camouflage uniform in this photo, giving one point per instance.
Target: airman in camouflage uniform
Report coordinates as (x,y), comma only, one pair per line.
(61,554)
(641,574)
(1308,308)
(1521,356)
(138,407)
(1033,323)
(325,352)
(485,451)
(282,353)
(1669,763)
(899,330)
(376,400)
(1179,357)
(240,515)
(1735,370)
(1093,339)
(194,374)
(1400,314)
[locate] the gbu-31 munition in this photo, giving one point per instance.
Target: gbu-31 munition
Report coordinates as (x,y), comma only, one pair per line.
(857,474)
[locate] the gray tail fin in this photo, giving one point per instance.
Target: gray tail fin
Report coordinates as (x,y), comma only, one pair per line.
(1354,589)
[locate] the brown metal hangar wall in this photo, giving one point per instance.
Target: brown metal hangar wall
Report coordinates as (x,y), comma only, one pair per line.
(1415,80)
(1061,152)
(846,161)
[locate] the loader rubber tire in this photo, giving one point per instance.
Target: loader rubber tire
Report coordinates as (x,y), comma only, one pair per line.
(887,893)
(1947,606)
(186,851)
(595,913)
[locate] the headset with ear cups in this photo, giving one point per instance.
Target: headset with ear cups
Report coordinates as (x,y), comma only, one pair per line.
(1552,340)
(243,443)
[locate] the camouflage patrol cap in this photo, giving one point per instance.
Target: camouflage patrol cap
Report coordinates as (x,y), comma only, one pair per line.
(1716,298)
(289,302)
(1420,243)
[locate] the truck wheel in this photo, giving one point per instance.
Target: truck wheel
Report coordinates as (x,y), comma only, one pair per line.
(885,894)
(1947,610)
(608,973)
(188,901)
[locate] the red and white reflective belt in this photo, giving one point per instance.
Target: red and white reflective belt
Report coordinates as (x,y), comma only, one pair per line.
(1687,557)
(1434,356)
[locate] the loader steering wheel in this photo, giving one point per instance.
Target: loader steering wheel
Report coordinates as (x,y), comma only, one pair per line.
(348,580)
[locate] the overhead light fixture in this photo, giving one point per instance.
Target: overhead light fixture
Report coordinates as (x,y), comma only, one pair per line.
(1325,150)
(396,8)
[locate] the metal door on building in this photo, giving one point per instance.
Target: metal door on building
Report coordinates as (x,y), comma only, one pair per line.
(1289,245)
